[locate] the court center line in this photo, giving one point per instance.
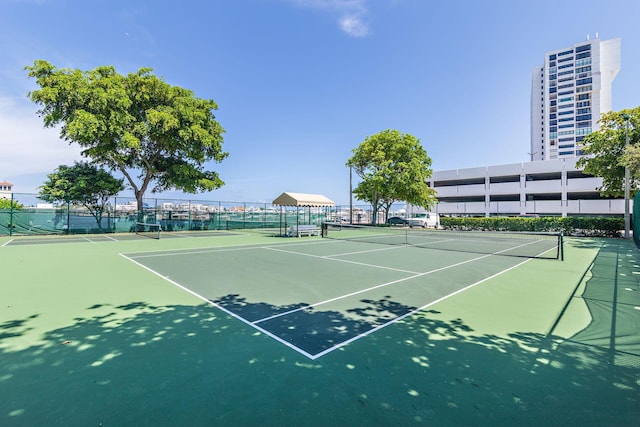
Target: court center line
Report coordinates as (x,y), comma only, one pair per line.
(364,252)
(382,285)
(393,282)
(342,260)
(397,319)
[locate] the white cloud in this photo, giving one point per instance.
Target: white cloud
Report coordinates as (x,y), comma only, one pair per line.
(352,14)
(26,147)
(354,26)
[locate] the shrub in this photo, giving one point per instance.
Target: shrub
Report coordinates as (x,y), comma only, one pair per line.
(580,226)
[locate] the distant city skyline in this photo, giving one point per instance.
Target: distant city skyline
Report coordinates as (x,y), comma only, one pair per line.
(300,84)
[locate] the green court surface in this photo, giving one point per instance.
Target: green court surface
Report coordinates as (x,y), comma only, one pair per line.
(244,329)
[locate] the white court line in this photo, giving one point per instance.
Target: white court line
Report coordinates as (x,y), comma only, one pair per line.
(382,285)
(7,242)
(208,301)
(370,331)
(231,248)
(364,334)
(365,252)
(89,240)
(342,260)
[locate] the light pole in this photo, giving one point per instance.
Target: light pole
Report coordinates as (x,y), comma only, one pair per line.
(627,179)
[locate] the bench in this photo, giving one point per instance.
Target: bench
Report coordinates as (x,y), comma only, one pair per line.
(301,230)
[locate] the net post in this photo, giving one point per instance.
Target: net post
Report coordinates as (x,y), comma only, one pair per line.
(323,229)
(561,246)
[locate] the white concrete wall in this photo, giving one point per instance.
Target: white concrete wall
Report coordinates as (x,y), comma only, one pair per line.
(525,191)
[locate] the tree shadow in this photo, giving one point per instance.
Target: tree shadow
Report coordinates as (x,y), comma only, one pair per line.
(139,364)
(313,329)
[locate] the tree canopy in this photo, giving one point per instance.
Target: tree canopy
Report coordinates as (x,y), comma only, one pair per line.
(155,134)
(606,153)
(9,204)
(393,166)
(82,184)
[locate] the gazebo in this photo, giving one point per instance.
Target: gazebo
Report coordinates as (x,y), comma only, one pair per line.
(301,200)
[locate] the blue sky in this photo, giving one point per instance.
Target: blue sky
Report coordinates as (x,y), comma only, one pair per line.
(300,83)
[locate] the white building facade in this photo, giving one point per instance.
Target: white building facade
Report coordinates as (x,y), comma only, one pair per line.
(5,190)
(569,92)
(553,187)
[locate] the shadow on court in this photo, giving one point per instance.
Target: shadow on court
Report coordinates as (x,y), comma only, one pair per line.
(138,364)
(311,330)
(610,293)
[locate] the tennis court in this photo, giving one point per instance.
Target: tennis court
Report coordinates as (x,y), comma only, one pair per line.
(248,329)
(318,295)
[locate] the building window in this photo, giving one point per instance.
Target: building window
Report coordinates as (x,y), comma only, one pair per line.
(583,48)
(583,62)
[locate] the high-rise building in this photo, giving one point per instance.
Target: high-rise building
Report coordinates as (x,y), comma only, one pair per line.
(568,95)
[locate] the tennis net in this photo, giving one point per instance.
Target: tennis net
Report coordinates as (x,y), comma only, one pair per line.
(518,244)
(149,230)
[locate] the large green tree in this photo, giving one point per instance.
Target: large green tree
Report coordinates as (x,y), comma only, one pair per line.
(393,166)
(155,134)
(606,153)
(82,184)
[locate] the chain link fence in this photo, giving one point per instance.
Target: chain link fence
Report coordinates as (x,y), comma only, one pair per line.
(30,214)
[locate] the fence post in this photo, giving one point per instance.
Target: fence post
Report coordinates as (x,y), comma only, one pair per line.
(68,216)
(11,216)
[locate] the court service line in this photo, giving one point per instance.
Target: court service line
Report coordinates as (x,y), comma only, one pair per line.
(382,285)
(230,313)
(343,260)
(393,282)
